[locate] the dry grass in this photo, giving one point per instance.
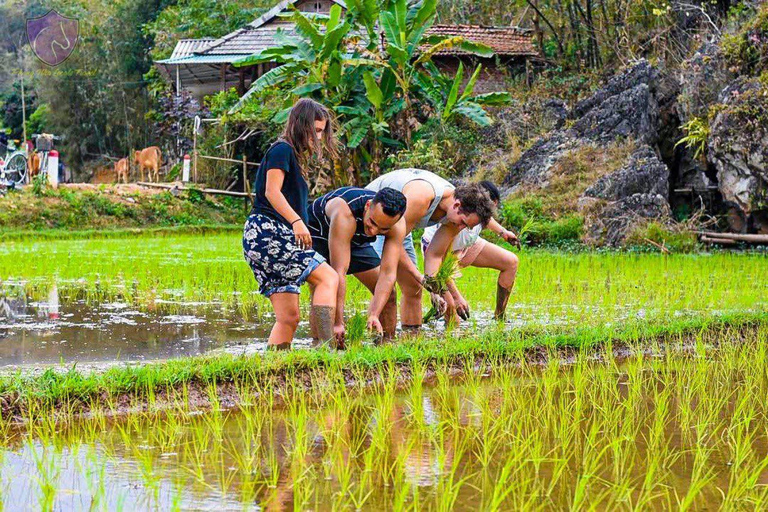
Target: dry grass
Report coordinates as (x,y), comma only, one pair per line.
(573,173)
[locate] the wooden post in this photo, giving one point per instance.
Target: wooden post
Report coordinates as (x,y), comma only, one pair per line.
(245,181)
(23,115)
(194,156)
(241,81)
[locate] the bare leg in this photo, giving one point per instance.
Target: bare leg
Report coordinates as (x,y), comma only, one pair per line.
(493,256)
(325,282)
(410,308)
(388,317)
(286,306)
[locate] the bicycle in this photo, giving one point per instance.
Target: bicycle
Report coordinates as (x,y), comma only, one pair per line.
(13,167)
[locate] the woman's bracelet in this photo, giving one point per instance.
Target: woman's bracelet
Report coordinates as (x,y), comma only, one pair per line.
(294,222)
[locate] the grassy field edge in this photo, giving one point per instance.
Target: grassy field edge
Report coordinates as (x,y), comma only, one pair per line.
(110,233)
(78,391)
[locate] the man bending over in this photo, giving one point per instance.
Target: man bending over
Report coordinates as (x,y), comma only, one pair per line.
(344,224)
(431,200)
(471,250)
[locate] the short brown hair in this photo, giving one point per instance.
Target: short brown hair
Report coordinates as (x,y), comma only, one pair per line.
(474,198)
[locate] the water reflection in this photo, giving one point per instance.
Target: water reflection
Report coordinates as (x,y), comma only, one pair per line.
(60,329)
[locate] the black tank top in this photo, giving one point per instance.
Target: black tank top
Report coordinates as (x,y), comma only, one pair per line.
(356,198)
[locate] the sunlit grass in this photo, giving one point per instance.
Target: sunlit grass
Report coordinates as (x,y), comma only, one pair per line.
(552,288)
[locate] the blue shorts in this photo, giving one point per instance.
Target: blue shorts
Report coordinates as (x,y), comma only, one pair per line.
(278,264)
(362,257)
(410,250)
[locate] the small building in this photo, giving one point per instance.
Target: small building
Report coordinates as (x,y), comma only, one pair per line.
(204,66)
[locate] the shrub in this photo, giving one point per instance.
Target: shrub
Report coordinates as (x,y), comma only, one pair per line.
(527,218)
(654,235)
(696,136)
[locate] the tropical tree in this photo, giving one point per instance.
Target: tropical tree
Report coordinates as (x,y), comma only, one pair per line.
(376,89)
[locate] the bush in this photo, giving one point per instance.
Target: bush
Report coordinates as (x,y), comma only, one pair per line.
(448,148)
(40,184)
(527,218)
(653,235)
(747,50)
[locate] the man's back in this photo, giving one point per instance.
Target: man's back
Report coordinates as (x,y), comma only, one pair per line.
(400,178)
(356,199)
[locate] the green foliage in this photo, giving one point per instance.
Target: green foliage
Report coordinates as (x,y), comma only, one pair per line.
(447,148)
(40,184)
(65,208)
(357,331)
(375,88)
(450,100)
(654,235)
(696,136)
(195,196)
(448,271)
(191,19)
(747,50)
(528,218)
(38,121)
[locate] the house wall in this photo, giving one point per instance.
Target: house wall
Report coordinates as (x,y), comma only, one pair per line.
(495,76)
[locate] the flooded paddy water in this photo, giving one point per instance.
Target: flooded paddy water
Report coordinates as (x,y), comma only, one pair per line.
(686,428)
(144,299)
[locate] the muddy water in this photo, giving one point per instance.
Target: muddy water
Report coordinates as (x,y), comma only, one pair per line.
(58,327)
(60,330)
(313,458)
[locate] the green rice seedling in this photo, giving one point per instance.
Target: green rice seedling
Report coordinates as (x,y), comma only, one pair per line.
(356,328)
(447,271)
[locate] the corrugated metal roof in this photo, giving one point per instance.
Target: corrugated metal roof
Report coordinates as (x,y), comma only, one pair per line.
(504,41)
(186,47)
(201,59)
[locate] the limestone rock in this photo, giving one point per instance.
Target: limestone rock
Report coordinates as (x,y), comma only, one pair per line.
(643,173)
(625,108)
(611,224)
(738,148)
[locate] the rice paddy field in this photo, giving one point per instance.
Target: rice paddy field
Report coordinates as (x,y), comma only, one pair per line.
(133,377)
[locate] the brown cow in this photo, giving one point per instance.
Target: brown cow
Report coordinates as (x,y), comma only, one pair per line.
(149,158)
(121,170)
(33,165)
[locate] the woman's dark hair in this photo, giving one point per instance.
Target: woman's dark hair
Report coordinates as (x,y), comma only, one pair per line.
(492,190)
(392,202)
(474,198)
(300,131)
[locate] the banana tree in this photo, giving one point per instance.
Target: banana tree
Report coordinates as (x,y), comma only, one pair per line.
(406,48)
(449,100)
(370,66)
(314,62)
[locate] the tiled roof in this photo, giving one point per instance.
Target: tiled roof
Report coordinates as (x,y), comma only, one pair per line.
(248,40)
(504,41)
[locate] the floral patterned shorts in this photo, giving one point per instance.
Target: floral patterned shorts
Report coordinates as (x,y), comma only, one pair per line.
(279,265)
